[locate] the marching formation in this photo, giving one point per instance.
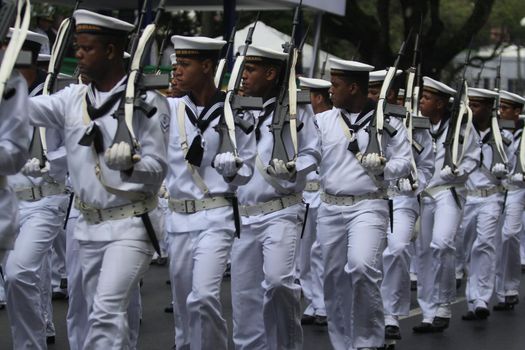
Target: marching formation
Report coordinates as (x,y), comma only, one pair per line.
(335,190)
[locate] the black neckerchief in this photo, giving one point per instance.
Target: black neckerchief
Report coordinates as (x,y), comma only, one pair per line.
(93,135)
(212,111)
(442,127)
(37,88)
(483,141)
(360,123)
(268,109)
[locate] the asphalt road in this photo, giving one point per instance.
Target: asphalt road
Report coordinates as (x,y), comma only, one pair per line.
(501,331)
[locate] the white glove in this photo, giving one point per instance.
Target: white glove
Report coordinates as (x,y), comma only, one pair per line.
(499,170)
(227,164)
(163,191)
(118,156)
(32,168)
(448,174)
(374,163)
(516,179)
(281,170)
(404,186)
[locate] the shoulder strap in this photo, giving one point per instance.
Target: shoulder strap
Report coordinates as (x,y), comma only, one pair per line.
(181,115)
(273,182)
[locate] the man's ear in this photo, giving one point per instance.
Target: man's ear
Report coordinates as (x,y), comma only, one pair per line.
(111,51)
(208,66)
(440,104)
(271,74)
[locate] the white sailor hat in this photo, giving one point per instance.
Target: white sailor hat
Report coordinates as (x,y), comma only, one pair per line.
(32,37)
(173,58)
(378,76)
(196,46)
(42,57)
(509,97)
(481,94)
(314,84)
(126,55)
(437,87)
(94,23)
(259,54)
(343,67)
(401,92)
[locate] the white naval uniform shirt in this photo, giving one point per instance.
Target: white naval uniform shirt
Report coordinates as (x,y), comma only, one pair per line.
(14,145)
(258,190)
(513,156)
(63,110)
(481,177)
(341,173)
(468,162)
(179,180)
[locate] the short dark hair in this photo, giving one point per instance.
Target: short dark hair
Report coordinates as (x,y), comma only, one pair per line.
(323,93)
(358,78)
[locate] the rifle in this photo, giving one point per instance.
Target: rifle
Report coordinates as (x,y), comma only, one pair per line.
(19,12)
(323,67)
(138,83)
(459,107)
(167,35)
(495,141)
(478,78)
(286,104)
(219,74)
(234,103)
(376,127)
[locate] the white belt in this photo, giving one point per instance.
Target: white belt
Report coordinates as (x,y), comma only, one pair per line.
(432,191)
(312,186)
(271,206)
(3,182)
(350,200)
(33,194)
(95,216)
(485,192)
(190,206)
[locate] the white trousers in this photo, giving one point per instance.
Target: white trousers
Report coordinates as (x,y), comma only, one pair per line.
(395,288)
(58,260)
(40,222)
(197,263)
(111,272)
(311,267)
(440,220)
(353,239)
(265,299)
(508,271)
(480,224)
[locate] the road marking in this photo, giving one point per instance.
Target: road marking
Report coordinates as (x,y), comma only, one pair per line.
(417,311)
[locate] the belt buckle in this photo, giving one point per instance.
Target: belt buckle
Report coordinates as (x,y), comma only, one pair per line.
(99,215)
(189,206)
(484,192)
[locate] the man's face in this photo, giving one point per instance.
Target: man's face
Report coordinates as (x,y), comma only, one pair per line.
(481,109)
(429,104)
(256,79)
(373,92)
(92,55)
(341,92)
(189,73)
(508,111)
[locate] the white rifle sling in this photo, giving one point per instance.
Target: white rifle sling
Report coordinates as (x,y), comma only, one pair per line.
(408,121)
(15,44)
(463,109)
(218,73)
(292,105)
(132,196)
(181,116)
(351,137)
(132,78)
(521,154)
(228,112)
(273,182)
(496,132)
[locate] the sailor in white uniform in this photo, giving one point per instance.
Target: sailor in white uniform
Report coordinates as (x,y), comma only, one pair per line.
(353,216)
(484,204)
(310,258)
(115,249)
(201,181)
(442,203)
(508,274)
(266,301)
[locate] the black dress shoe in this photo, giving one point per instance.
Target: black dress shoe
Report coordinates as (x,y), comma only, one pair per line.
(307,319)
(320,320)
(413,285)
(441,322)
(425,327)
(501,306)
(512,299)
(459,282)
(58,295)
(392,333)
(50,340)
(469,316)
(482,313)
(522,268)
(168,309)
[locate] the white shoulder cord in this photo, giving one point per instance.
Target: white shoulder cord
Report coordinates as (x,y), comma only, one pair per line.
(292,103)
(181,116)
